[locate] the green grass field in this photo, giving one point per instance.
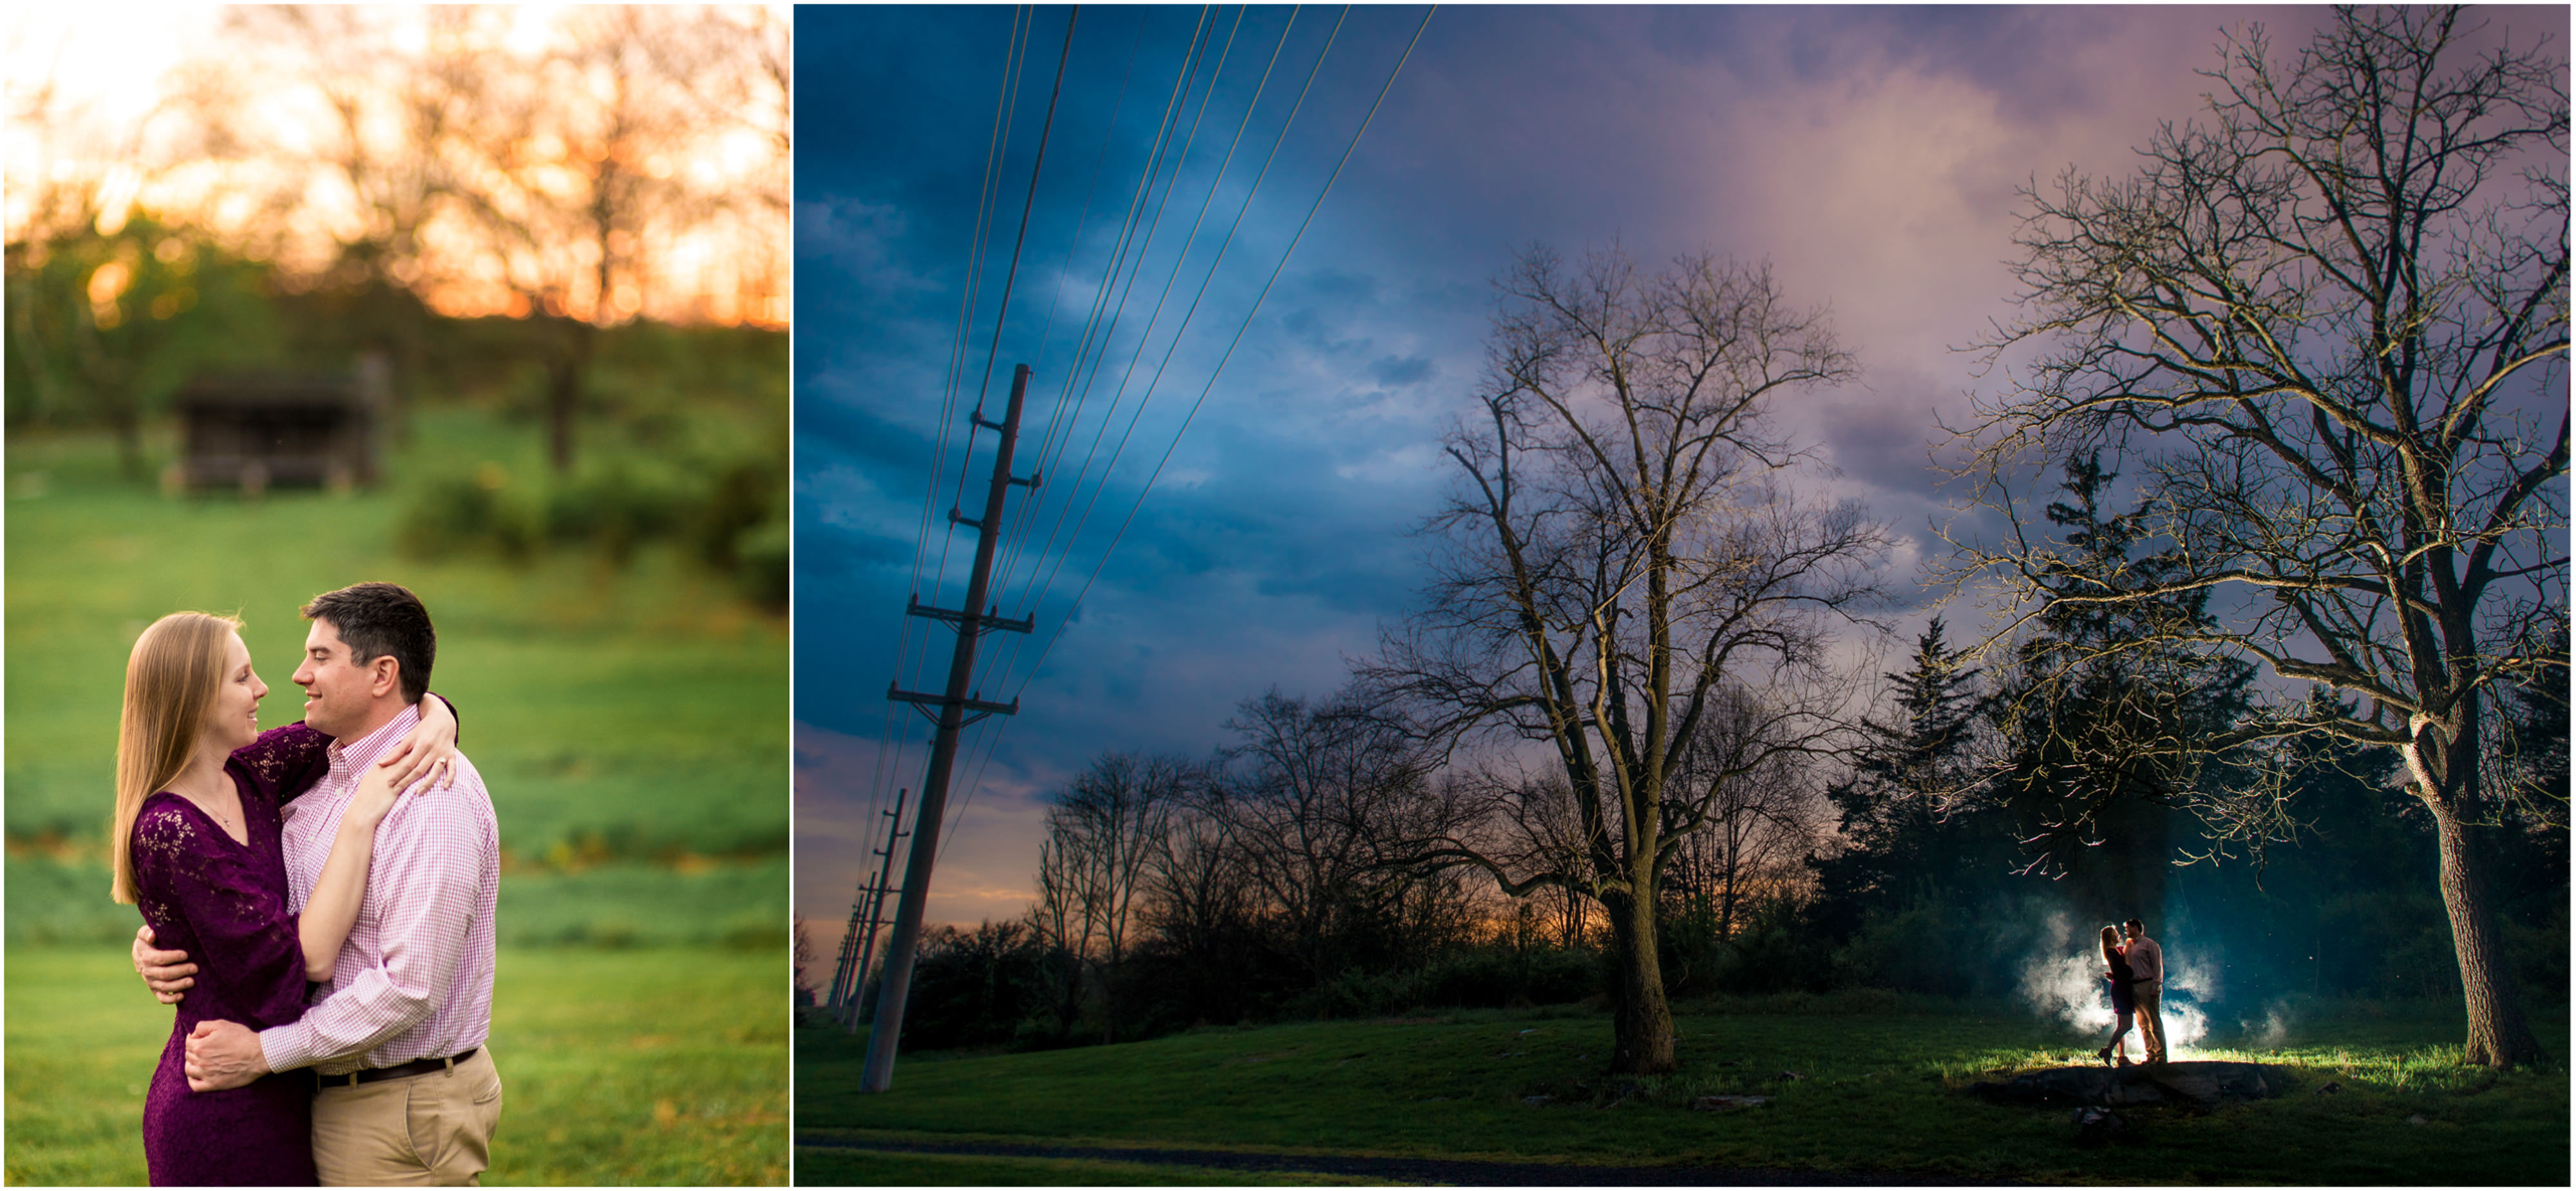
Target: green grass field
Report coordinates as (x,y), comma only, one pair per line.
(1876,1092)
(664,1066)
(630,722)
(820,1166)
(637,712)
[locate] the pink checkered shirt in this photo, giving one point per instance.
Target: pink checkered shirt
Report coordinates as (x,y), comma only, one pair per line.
(414,980)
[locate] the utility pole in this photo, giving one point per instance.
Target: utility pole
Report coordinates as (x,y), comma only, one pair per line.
(851,1015)
(841,966)
(955,711)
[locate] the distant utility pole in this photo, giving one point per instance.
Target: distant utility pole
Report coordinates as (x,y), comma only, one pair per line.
(955,711)
(850,972)
(849,950)
(850,1015)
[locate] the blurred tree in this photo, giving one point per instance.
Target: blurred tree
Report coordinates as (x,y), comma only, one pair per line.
(576,168)
(1760,816)
(391,89)
(584,168)
(104,327)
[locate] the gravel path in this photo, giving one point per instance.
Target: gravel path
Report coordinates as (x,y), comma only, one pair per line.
(1453,1172)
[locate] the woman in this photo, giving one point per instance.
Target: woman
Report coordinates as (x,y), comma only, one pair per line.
(197,849)
(2124,999)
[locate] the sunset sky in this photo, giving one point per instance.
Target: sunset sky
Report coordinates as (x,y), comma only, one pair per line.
(113,124)
(1871,155)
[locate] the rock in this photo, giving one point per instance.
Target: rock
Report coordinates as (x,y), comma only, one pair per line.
(2203,1084)
(2330,1089)
(2415,1120)
(1537,1101)
(1791,1076)
(2095,1127)
(1728,1103)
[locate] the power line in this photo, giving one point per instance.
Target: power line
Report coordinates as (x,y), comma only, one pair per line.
(974,283)
(1144,248)
(889,748)
(1238,338)
(1226,357)
(1001,657)
(1137,413)
(1010,277)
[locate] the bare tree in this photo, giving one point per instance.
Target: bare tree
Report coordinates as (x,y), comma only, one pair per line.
(391,92)
(1104,830)
(640,152)
(1621,551)
(2327,325)
(1062,921)
(1531,823)
(1763,811)
(1201,909)
(1319,803)
(801,957)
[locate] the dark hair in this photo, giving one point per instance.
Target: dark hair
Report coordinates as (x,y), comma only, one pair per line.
(380,619)
(2142,927)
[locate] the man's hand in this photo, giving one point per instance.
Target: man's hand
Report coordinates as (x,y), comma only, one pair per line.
(223,1054)
(167,973)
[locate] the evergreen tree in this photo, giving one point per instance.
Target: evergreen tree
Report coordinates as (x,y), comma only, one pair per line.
(2100,737)
(1912,825)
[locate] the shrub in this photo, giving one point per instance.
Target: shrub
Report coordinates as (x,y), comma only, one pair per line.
(456,514)
(973,988)
(614,507)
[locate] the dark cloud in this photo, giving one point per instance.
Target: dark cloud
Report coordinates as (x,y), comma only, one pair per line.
(1401,371)
(1885,434)
(1870,153)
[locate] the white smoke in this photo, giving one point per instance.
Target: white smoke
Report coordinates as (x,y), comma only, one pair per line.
(2066,984)
(2270,1030)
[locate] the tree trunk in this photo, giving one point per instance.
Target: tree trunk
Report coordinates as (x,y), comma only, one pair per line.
(1642,1026)
(563,393)
(128,425)
(2498,1035)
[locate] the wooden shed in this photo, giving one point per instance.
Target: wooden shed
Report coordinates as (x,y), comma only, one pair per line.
(254,432)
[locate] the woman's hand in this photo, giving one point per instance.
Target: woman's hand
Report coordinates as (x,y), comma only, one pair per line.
(378,790)
(427,752)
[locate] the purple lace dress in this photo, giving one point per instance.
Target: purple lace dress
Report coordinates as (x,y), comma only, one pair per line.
(224,903)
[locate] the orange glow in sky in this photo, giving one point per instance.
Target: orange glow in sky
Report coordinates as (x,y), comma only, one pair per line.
(107,80)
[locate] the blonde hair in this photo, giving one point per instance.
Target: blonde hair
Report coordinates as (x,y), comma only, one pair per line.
(170,681)
(2110,942)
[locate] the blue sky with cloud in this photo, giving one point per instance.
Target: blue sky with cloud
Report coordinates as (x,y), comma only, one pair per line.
(1871,155)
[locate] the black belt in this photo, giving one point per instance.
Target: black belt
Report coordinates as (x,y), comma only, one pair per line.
(397,1071)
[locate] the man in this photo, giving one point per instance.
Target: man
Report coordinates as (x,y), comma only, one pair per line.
(406,1090)
(2147,962)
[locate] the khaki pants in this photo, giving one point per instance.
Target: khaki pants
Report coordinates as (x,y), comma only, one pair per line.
(2151,1024)
(431,1130)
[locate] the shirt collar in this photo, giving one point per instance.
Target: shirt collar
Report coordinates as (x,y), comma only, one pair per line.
(348,756)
